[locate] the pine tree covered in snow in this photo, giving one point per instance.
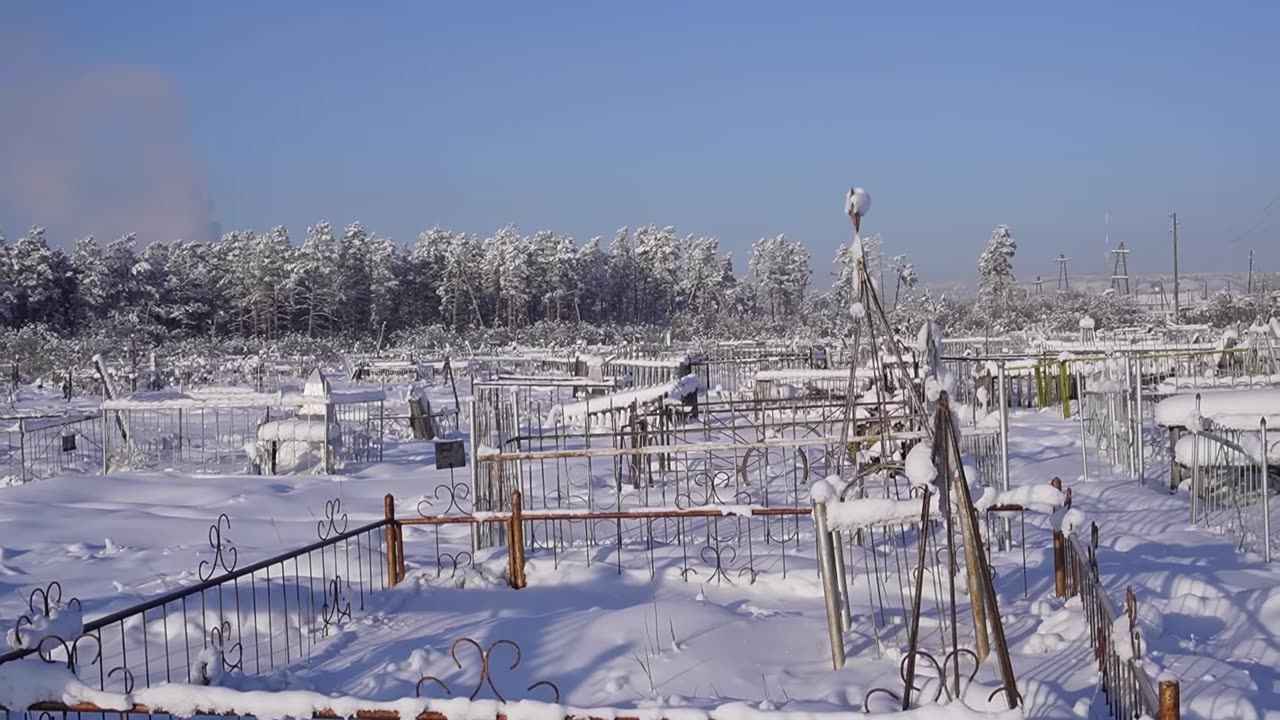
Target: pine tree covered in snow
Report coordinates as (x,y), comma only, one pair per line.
(312,280)
(997,287)
(780,274)
(357,285)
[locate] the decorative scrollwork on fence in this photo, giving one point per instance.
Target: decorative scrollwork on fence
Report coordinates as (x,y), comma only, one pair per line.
(50,644)
(486,666)
(126,674)
(334,522)
(940,672)
(335,609)
(718,557)
(50,600)
(454,561)
(218,637)
(448,495)
(225,554)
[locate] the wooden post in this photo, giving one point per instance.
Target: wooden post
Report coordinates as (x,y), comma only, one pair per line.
(393,565)
(515,541)
(1169,700)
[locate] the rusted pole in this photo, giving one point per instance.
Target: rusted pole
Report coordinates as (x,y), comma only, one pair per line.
(399,553)
(515,541)
(1169,700)
(393,565)
(1059,565)
(913,636)
(1059,551)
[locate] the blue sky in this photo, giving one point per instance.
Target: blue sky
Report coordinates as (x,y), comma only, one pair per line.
(737,120)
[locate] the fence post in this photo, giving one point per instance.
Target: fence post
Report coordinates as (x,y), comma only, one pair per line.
(515,541)
(22,449)
(1002,383)
(1139,439)
(1169,700)
(1059,551)
(1059,564)
(1266,504)
(830,591)
(393,565)
(1064,389)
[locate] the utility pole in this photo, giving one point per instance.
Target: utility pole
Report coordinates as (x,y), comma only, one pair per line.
(1249,289)
(1176,288)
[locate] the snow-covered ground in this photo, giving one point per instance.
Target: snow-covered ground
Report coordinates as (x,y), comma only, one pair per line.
(621,630)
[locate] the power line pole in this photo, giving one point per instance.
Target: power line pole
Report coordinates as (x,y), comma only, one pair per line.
(1176,289)
(1249,290)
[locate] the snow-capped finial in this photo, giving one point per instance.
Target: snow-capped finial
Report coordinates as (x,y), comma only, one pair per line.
(856,205)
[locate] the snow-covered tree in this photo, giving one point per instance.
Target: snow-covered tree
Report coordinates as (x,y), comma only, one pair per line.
(996,284)
(592,275)
(312,279)
(91,282)
(35,287)
(625,278)
(460,281)
(657,254)
(780,274)
(905,278)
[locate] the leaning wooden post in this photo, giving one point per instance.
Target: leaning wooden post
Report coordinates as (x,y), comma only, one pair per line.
(1169,700)
(393,565)
(515,541)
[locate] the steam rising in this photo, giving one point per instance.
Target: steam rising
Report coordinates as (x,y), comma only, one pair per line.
(102,150)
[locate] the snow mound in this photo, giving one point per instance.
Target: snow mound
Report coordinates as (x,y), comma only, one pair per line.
(919,465)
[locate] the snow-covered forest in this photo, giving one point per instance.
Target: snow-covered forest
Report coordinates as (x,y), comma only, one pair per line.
(352,284)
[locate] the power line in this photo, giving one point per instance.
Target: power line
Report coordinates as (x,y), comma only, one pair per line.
(1259,219)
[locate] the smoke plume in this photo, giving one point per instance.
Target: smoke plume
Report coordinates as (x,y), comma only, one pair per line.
(101,150)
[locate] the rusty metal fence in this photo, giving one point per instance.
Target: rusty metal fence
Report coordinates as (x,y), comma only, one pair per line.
(1115,636)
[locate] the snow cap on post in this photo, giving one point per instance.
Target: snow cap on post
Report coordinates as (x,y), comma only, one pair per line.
(317,385)
(856,205)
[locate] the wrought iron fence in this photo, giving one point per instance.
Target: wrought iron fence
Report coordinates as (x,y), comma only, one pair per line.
(249,620)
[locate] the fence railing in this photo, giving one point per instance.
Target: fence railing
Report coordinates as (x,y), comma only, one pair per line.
(1115,636)
(251,619)
(1232,480)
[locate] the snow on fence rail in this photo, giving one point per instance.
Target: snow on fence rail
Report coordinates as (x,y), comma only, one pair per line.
(196,700)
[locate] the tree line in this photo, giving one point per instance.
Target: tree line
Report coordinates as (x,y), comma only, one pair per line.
(355,285)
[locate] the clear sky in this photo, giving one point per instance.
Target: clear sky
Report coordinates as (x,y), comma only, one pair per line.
(736,120)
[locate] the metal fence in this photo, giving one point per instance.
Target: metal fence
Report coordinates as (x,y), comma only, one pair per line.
(229,439)
(1129,691)
(36,448)
(1234,473)
(248,620)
